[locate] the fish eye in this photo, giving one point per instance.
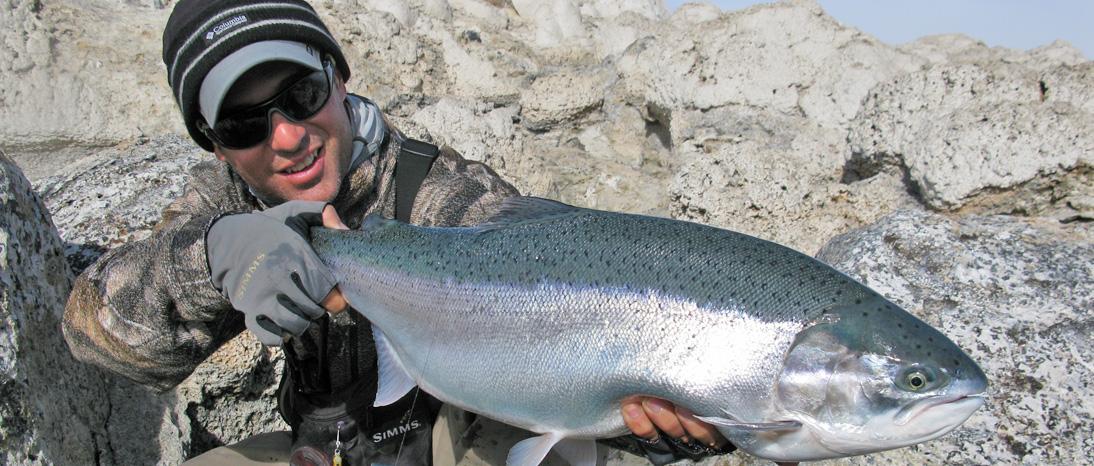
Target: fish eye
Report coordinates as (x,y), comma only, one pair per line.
(916,380)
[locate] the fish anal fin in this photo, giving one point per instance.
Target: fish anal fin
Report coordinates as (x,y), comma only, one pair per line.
(750,426)
(523,210)
(530,452)
(394,381)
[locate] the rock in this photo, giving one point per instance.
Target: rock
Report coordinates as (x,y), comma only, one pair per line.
(48,98)
(556,22)
(695,13)
(1016,294)
(773,176)
(560,98)
(116,195)
(965,132)
(787,57)
(52,407)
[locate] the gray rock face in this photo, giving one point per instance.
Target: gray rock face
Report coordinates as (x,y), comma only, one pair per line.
(51,409)
(70,72)
(1018,296)
(965,132)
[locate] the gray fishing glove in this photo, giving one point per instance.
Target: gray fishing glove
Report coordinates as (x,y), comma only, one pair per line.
(264,264)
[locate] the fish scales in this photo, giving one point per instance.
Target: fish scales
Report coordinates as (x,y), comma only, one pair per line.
(550,316)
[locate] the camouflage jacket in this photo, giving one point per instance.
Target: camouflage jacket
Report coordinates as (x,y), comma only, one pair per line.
(147,310)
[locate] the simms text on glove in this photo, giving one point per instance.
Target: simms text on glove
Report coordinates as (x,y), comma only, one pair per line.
(264,264)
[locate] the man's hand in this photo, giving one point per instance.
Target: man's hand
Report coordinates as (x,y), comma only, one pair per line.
(264,264)
(647,414)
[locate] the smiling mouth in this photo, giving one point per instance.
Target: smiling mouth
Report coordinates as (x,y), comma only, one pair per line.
(310,159)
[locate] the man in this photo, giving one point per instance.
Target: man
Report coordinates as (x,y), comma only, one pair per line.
(262,86)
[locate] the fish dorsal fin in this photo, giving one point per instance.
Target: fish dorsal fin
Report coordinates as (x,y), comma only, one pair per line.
(394,381)
(374,222)
(579,452)
(530,452)
(522,210)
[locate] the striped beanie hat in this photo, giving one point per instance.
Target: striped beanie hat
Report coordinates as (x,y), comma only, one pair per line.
(201,33)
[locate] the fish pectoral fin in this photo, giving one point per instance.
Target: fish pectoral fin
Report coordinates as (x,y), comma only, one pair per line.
(394,381)
(579,452)
(750,426)
(530,452)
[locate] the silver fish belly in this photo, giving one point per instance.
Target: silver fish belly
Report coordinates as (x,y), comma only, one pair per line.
(549,316)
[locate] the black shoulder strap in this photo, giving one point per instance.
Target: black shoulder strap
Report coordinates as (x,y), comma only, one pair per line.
(411,167)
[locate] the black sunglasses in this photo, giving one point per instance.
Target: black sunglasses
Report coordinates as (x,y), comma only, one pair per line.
(242,129)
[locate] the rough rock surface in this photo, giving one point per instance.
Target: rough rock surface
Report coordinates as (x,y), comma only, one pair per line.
(776,120)
(963,131)
(49,403)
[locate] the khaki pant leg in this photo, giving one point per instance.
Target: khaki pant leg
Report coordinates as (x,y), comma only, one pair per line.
(263,449)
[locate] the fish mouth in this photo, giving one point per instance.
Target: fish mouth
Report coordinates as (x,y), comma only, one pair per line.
(954,408)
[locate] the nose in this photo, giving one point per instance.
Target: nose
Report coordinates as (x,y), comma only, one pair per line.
(285,134)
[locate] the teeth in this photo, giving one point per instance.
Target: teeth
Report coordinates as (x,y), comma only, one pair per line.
(302,165)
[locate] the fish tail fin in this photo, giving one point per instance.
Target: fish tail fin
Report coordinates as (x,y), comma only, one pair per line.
(394,381)
(530,452)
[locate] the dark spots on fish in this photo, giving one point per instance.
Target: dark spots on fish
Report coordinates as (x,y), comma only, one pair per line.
(866,314)
(956,362)
(858,300)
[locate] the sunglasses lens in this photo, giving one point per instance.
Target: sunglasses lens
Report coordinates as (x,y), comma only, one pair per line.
(303,99)
(238,132)
(300,101)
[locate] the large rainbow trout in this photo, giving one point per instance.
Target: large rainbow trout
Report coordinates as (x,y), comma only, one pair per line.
(549,316)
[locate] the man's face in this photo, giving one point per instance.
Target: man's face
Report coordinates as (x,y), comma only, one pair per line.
(299,160)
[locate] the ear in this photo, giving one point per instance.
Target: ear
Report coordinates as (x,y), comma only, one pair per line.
(219,153)
(339,86)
